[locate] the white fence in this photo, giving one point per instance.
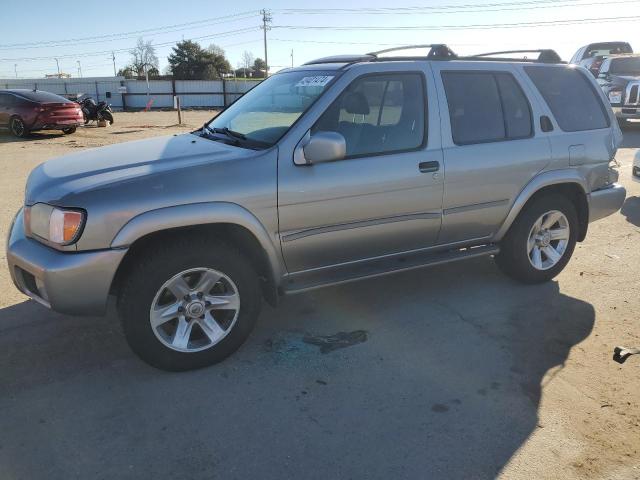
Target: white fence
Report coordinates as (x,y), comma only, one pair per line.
(126,94)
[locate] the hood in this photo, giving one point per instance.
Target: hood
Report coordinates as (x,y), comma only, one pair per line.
(99,167)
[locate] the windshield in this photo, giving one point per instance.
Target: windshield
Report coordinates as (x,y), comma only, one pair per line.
(615,48)
(265,113)
(628,66)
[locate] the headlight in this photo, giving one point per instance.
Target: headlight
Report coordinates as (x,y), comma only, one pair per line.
(615,96)
(55,225)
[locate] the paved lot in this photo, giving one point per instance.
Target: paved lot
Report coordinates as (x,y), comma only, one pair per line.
(465,373)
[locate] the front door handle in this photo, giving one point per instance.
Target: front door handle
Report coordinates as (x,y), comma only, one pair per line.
(426,167)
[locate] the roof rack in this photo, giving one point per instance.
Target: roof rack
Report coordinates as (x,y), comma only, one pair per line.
(437,51)
(440,51)
(544,55)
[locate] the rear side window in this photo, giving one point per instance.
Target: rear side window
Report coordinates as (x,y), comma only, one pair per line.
(571,97)
(486,107)
(7,100)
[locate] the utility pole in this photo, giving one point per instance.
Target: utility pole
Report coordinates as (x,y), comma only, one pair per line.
(15,69)
(113,57)
(79,69)
(266,21)
(57,65)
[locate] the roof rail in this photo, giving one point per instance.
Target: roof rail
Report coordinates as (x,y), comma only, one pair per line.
(437,51)
(342,59)
(544,55)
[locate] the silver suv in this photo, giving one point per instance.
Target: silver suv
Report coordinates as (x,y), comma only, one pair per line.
(338,170)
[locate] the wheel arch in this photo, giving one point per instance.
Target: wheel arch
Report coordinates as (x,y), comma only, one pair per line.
(222,221)
(565,182)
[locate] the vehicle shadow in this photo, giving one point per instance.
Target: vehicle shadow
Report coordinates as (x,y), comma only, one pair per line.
(447,386)
(6,137)
(631,136)
(631,210)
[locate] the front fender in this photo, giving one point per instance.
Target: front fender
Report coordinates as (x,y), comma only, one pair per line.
(198,214)
(546,179)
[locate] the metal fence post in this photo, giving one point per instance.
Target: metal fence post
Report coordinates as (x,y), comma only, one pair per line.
(224,93)
(97,93)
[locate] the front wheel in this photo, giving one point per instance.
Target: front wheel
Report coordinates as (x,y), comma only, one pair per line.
(69,130)
(189,304)
(541,241)
(18,128)
(107,116)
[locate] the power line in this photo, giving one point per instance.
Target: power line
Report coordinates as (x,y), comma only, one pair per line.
(550,23)
(515,6)
(106,52)
(435,8)
(169,28)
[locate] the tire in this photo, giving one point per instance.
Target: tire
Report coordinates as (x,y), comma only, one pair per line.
(18,128)
(108,116)
(144,289)
(69,130)
(517,256)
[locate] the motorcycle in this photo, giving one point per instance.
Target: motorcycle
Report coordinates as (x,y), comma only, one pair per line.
(96,111)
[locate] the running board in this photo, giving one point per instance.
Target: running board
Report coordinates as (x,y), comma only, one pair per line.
(351,272)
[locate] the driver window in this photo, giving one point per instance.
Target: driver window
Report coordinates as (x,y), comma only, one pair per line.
(378,114)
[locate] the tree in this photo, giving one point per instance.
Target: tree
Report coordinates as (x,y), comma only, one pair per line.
(247,61)
(259,64)
(126,72)
(189,61)
(259,68)
(143,57)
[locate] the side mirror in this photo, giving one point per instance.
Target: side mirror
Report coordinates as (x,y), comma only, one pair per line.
(320,147)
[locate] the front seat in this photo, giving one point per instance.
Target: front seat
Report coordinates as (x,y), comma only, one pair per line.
(357,105)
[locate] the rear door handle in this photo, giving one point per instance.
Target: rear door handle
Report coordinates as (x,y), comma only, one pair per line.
(426,167)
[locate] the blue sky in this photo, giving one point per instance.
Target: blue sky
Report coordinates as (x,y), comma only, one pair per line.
(373,28)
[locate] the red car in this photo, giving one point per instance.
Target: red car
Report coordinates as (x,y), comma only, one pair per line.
(23,111)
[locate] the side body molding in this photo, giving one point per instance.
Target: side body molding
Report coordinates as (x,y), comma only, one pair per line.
(199,214)
(545,179)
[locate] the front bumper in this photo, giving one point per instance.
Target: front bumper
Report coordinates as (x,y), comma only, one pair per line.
(606,201)
(75,283)
(631,112)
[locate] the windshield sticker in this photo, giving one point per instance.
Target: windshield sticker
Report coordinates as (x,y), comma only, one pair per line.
(317,81)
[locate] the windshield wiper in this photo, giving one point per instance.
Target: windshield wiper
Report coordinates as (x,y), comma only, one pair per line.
(228,132)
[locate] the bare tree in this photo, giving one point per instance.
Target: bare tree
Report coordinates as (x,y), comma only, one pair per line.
(247,61)
(143,57)
(216,50)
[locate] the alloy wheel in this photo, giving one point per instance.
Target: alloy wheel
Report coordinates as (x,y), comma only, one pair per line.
(195,309)
(17,127)
(548,240)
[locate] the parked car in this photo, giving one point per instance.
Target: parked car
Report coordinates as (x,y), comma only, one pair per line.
(591,56)
(23,111)
(619,77)
(342,169)
(636,167)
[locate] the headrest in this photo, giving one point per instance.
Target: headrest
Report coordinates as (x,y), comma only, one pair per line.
(356,103)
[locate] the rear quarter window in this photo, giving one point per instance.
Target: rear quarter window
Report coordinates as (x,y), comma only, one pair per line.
(572,98)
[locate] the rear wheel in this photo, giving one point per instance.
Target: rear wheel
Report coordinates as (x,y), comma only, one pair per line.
(69,130)
(189,304)
(541,241)
(18,128)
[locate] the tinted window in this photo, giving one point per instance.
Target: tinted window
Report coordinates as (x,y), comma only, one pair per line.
(43,97)
(515,107)
(570,96)
(625,66)
(378,114)
(486,107)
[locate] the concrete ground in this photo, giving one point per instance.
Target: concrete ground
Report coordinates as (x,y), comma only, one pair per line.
(465,374)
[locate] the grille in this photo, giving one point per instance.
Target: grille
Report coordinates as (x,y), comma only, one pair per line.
(632,94)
